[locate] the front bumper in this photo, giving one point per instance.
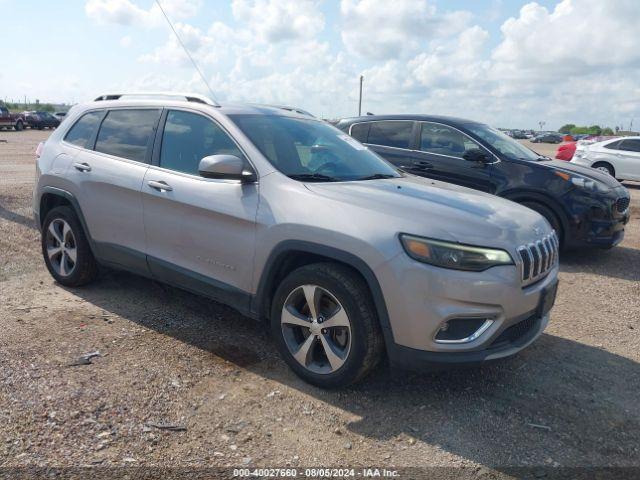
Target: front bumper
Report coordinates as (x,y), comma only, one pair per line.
(414,359)
(420,298)
(597,222)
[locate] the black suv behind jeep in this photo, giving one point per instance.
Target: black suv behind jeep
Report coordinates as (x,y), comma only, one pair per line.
(585,206)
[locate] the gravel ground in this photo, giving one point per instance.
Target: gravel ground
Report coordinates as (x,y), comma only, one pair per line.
(169,358)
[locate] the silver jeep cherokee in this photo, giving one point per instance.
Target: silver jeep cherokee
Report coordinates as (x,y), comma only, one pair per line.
(292,222)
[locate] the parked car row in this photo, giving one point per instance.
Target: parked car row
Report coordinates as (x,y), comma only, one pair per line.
(547,138)
(331,236)
(29,119)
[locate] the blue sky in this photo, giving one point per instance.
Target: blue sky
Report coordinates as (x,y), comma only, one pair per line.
(509,63)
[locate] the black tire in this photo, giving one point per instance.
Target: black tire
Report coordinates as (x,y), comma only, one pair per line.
(607,166)
(550,216)
(19,126)
(351,291)
(85,268)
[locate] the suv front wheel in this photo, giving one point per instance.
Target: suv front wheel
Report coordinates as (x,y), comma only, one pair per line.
(325,325)
(66,250)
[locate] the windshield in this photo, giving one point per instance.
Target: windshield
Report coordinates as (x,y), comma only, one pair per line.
(311,150)
(504,144)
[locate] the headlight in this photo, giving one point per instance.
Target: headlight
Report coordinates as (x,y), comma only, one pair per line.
(590,185)
(453,255)
(584,183)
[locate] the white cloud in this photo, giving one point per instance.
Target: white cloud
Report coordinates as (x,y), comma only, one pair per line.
(126,12)
(115,11)
(383,30)
(576,62)
(278,20)
(577,36)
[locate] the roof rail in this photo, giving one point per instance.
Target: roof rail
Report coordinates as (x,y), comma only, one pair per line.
(189,97)
(287,108)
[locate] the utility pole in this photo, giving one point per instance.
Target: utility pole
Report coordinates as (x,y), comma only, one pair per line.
(360,98)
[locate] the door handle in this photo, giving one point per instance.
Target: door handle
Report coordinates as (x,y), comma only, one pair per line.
(424,165)
(160,185)
(83,167)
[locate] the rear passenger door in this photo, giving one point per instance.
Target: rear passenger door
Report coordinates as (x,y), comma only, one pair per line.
(108,172)
(200,231)
(391,139)
(440,156)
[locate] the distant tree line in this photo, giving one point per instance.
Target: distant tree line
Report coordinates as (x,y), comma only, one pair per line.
(570,128)
(21,107)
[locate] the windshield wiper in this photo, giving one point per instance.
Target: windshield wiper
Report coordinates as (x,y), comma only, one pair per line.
(377,176)
(313,177)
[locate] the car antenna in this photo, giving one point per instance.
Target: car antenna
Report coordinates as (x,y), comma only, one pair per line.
(195,65)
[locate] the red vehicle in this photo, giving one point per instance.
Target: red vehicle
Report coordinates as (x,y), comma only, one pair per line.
(11,120)
(566,151)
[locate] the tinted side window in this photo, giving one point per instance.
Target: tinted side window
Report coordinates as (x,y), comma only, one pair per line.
(360,131)
(630,145)
(443,140)
(613,145)
(188,138)
(392,134)
(127,133)
(83,130)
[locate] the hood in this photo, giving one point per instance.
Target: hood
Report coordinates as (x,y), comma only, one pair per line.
(590,173)
(436,209)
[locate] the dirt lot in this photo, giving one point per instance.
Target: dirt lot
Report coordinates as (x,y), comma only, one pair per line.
(168,357)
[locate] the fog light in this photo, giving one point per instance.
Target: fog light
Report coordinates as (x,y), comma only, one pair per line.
(462,330)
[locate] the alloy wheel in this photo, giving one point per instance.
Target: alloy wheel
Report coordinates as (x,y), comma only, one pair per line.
(316,329)
(61,247)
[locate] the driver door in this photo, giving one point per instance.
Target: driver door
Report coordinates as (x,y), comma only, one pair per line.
(439,155)
(200,232)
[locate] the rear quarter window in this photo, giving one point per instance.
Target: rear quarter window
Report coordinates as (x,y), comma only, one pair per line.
(84,129)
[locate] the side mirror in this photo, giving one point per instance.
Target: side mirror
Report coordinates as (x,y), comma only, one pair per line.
(225,167)
(476,155)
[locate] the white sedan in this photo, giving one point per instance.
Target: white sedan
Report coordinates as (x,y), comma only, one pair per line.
(619,157)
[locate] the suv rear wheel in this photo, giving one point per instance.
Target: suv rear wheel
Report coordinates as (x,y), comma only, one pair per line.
(325,326)
(66,250)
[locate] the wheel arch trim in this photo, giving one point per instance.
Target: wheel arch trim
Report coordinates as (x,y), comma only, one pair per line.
(74,204)
(261,300)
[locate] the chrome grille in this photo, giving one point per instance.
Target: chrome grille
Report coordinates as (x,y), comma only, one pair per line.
(538,258)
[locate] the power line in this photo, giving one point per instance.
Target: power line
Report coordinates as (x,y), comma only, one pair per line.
(195,65)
